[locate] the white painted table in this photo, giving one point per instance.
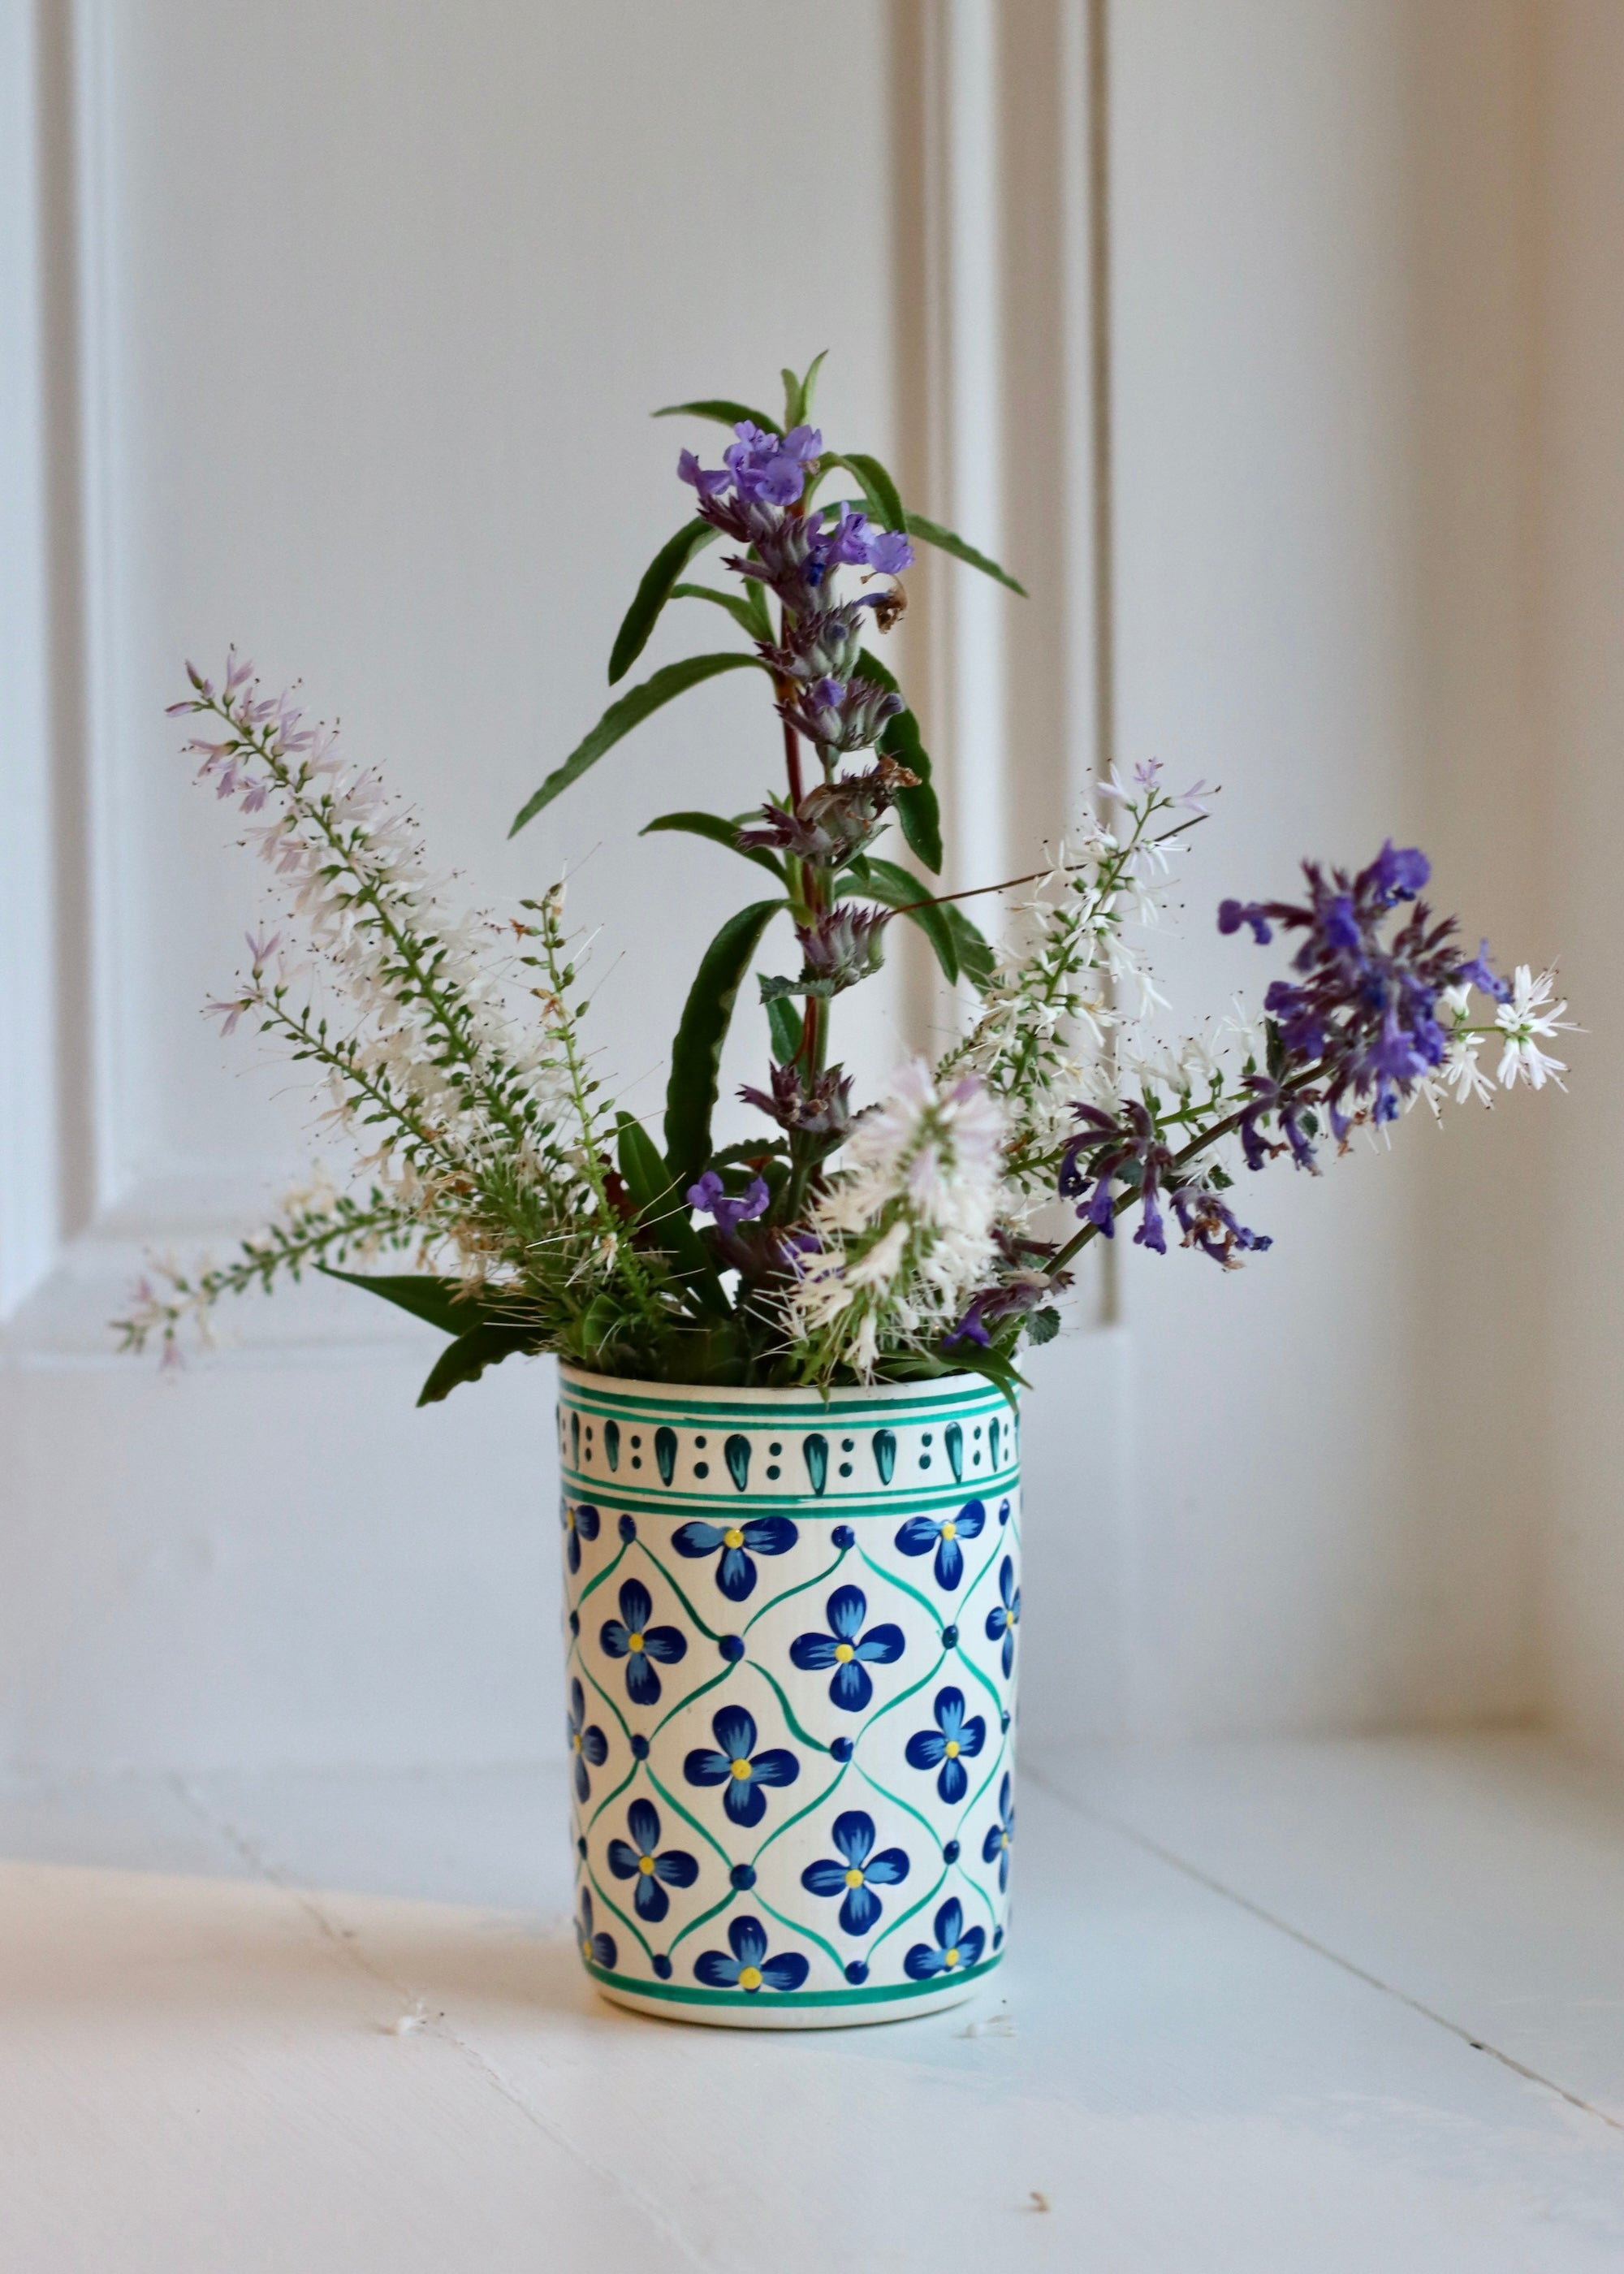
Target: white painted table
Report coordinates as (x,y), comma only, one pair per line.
(1343,2006)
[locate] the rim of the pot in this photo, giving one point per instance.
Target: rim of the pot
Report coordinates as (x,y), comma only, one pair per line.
(632,1385)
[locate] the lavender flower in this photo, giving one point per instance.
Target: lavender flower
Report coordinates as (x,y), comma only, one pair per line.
(764,469)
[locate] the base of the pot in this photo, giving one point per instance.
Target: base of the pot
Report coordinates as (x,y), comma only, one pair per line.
(834,2010)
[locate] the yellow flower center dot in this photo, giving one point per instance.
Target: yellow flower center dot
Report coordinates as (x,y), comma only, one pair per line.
(952,1748)
(842,1652)
(950,1958)
(645,1864)
(854,1878)
(949,1532)
(741,1770)
(569,1520)
(1004,1840)
(749,1977)
(634,1642)
(733,1537)
(576,1739)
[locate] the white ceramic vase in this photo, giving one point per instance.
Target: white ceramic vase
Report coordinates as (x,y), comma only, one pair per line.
(793,1626)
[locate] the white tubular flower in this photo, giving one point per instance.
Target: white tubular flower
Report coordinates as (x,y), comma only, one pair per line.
(905,1228)
(1530,1018)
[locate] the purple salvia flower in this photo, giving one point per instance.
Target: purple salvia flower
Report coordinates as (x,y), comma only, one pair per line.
(1151,1232)
(1233,914)
(711,1197)
(890,552)
(1478,972)
(1399,875)
(709,481)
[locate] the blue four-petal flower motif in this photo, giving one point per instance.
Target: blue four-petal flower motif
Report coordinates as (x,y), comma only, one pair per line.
(920,1533)
(739,1544)
(845,1647)
(749,1968)
(1004,1615)
(630,1637)
(956,1947)
(858,1873)
(996,1847)
(733,1765)
(638,1860)
(587,1742)
(581,1521)
(954,1740)
(596,1949)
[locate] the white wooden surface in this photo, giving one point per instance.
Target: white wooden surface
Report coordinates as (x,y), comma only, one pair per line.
(1271,2008)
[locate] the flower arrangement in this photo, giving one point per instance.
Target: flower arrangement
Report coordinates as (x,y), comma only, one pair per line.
(894,1240)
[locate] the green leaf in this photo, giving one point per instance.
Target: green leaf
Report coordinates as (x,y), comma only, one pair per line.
(724,413)
(1043,1325)
(696,1053)
(976,958)
(916,808)
(748,609)
(880,493)
(663,1211)
(441,1302)
(969,1358)
(658,580)
(719,833)
(878,674)
(792,398)
(806,389)
(747,1152)
(788,1029)
(946,541)
(895,887)
(618,720)
(467,1358)
(779,990)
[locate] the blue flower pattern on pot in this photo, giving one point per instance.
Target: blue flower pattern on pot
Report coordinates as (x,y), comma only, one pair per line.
(581,1521)
(596,1949)
(630,1637)
(1001,1835)
(640,1858)
(738,1544)
(734,1765)
(587,1742)
(857,1873)
(826,1680)
(1004,1615)
(749,1968)
(956,1949)
(847,1649)
(955,1740)
(943,1533)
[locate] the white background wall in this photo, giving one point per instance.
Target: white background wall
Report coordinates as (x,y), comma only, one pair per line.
(348,325)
